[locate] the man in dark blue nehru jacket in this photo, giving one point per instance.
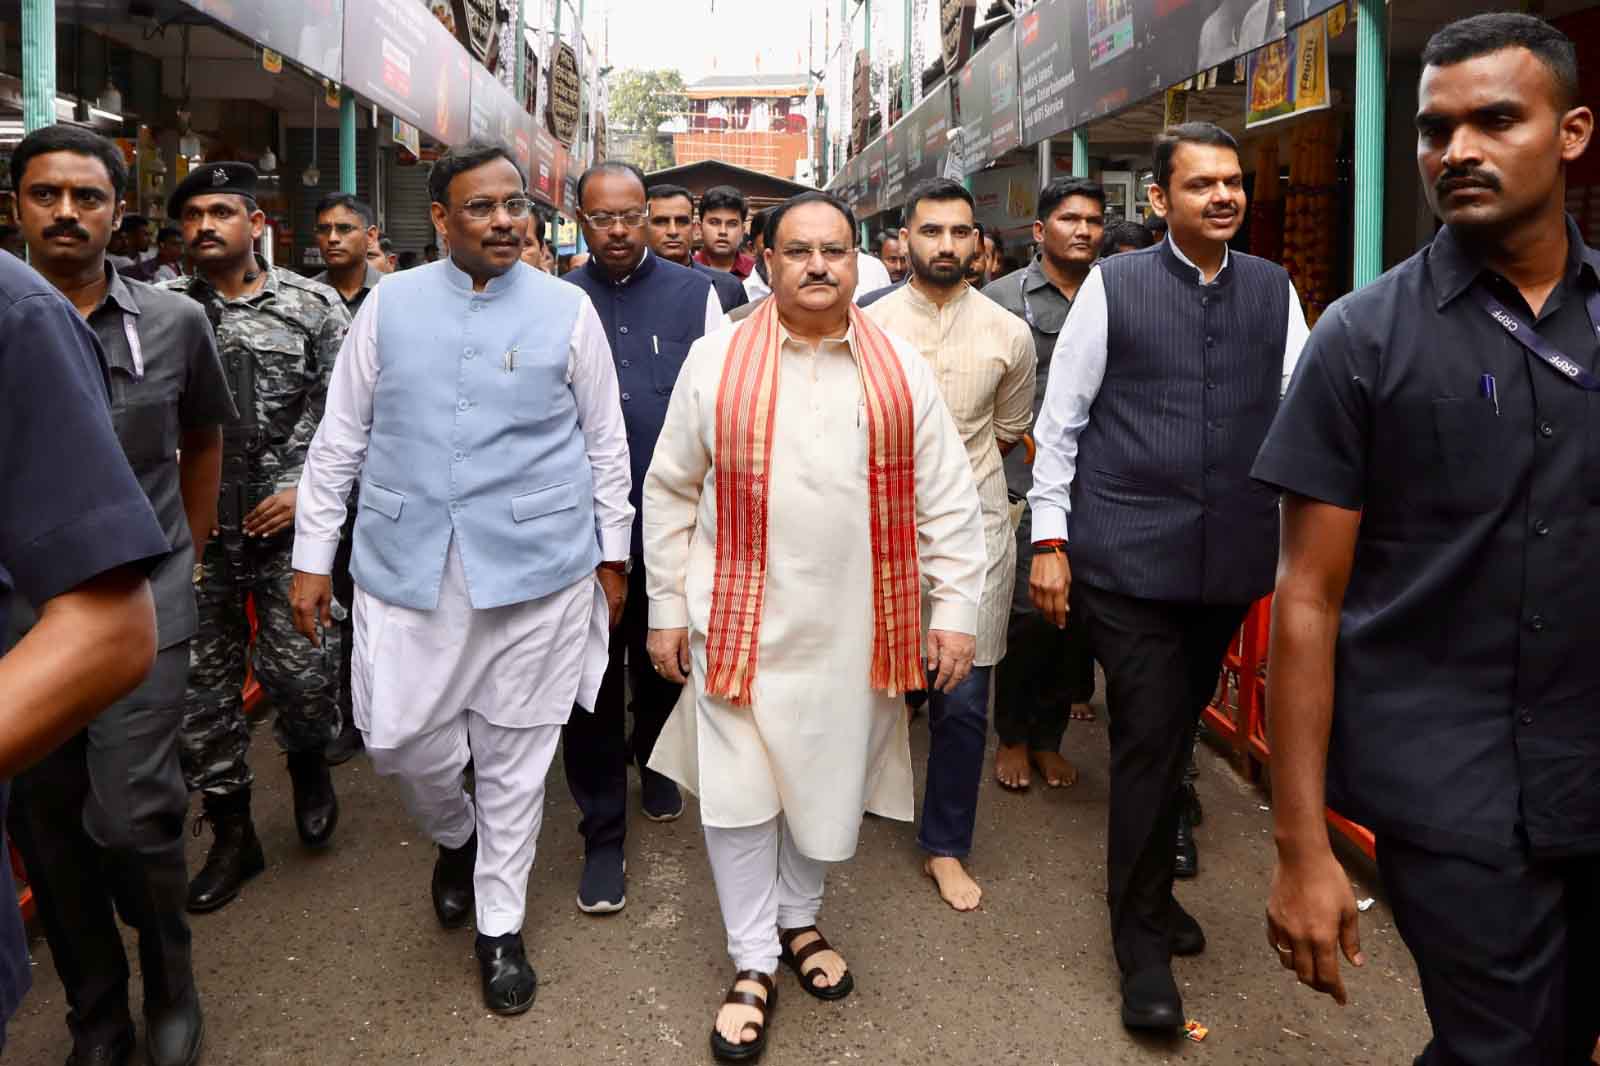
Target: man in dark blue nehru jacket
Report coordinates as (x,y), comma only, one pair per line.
(1168,372)
(652,311)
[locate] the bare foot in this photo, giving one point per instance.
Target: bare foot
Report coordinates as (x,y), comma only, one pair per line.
(1011,766)
(830,962)
(1082,712)
(955,884)
(733,1018)
(1057,771)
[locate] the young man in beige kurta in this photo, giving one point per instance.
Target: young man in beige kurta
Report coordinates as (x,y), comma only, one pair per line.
(783,781)
(984,361)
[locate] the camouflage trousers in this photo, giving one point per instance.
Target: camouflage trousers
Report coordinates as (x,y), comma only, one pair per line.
(299,681)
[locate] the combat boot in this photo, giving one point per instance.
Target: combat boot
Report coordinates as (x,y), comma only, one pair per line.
(316,808)
(235,854)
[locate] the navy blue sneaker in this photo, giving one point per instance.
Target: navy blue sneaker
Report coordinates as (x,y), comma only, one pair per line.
(659,796)
(603,889)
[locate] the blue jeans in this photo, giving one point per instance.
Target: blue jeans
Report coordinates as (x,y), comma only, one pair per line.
(958,727)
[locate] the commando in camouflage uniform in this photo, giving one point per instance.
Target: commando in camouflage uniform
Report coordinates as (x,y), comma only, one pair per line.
(278,348)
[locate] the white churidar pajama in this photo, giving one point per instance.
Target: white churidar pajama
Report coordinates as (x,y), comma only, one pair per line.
(764,884)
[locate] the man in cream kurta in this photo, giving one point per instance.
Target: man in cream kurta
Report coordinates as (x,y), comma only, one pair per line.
(783,782)
(476,399)
(983,359)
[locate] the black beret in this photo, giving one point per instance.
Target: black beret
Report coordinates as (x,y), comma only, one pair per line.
(212,178)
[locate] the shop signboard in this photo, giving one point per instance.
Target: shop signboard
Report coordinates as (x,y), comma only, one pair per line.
(893,192)
(407,137)
(991,118)
(861,102)
(409,65)
(561,106)
(310,32)
(927,136)
(477,24)
(543,181)
(1045,66)
(495,115)
(872,199)
(1289,76)
(956,19)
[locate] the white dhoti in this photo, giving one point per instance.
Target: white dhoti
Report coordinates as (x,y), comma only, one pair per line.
(432,689)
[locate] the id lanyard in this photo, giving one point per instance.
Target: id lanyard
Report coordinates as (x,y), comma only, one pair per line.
(1529,338)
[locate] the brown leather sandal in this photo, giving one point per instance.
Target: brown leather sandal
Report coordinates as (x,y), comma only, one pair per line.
(750,1050)
(796,960)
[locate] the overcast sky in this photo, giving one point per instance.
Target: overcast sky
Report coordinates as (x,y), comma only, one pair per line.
(702,37)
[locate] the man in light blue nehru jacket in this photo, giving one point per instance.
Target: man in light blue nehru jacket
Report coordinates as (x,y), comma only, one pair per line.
(476,401)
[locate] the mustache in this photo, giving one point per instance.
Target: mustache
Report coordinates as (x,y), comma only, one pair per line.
(205,237)
(820,279)
(1466,178)
(66,229)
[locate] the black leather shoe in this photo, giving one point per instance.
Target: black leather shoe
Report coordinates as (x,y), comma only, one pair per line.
(235,854)
(452,883)
(1187,862)
(509,983)
(172,1037)
(1150,1000)
(346,746)
(1187,936)
(117,1051)
(316,808)
(1191,804)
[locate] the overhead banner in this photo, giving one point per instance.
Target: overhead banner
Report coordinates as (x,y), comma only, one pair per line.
(310,32)
(928,140)
(1044,64)
(543,181)
(495,115)
(1288,77)
(991,117)
(409,65)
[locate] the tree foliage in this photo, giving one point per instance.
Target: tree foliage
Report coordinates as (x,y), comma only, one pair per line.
(640,101)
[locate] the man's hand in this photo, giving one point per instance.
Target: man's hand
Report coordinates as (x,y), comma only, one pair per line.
(669,653)
(1050,585)
(1311,917)
(950,657)
(311,600)
(272,515)
(616,588)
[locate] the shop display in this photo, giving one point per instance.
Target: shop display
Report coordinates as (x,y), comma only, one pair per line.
(1311,213)
(1266,204)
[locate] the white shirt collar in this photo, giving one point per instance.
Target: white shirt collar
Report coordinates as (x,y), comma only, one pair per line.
(1186,261)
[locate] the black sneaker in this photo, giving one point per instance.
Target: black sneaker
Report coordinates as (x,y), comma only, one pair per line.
(659,796)
(603,889)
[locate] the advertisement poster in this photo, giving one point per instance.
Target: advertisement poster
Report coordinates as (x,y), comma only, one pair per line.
(991,118)
(409,65)
(928,140)
(495,114)
(894,169)
(1289,76)
(1045,66)
(310,32)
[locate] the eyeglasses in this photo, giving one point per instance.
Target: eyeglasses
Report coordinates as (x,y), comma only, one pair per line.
(516,207)
(800,254)
(343,229)
(605,219)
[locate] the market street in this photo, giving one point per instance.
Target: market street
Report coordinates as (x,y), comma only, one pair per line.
(336,958)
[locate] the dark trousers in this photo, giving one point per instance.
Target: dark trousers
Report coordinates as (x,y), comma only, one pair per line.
(958,729)
(595,747)
(99,823)
(1509,955)
(1045,669)
(1161,662)
(344,590)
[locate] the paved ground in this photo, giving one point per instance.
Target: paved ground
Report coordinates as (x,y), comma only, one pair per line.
(336,958)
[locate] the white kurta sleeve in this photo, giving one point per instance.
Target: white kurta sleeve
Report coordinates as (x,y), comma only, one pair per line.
(714,315)
(1013,401)
(1295,339)
(1077,370)
(340,445)
(594,387)
(949,514)
(672,489)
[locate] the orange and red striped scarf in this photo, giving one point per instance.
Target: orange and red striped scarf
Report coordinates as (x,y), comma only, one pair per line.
(747,401)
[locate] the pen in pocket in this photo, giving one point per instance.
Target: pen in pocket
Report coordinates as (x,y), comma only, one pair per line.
(1487,389)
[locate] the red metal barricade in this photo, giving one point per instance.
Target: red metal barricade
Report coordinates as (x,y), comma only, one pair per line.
(1238,713)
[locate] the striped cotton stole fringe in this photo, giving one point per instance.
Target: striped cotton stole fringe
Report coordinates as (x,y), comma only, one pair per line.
(747,399)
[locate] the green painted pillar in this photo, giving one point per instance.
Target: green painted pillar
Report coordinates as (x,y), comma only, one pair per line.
(583,128)
(867,38)
(521,81)
(347,142)
(1080,153)
(1372,105)
(907,96)
(38,64)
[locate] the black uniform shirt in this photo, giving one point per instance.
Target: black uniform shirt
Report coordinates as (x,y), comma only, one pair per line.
(172,382)
(1467,675)
(70,508)
(1031,296)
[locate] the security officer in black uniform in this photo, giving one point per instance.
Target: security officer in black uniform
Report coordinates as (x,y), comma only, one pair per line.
(1434,630)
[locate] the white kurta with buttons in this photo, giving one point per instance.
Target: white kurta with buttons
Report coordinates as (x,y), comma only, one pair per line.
(818,745)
